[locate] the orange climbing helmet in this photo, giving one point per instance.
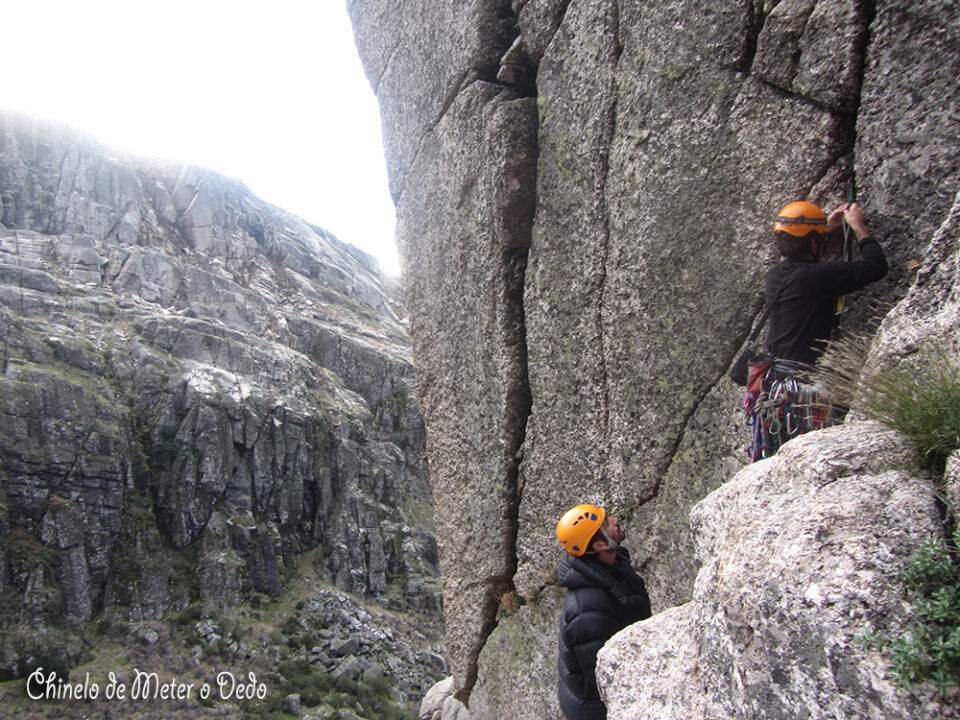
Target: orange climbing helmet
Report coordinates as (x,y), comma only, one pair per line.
(800,218)
(577,526)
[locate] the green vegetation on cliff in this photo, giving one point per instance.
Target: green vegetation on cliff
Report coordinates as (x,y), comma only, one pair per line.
(930,650)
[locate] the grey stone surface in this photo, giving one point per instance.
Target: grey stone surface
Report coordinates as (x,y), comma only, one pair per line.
(345,647)
(538,21)
(908,128)
(710,452)
(453,709)
(802,554)
(929,315)
(813,48)
(432,703)
(418,68)
(292,704)
(518,674)
(951,485)
(668,133)
(473,389)
(185,367)
(440,704)
(350,667)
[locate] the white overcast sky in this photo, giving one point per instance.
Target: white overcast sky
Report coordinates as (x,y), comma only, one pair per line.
(271,93)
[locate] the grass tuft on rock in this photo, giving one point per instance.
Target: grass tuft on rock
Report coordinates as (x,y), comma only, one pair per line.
(919,397)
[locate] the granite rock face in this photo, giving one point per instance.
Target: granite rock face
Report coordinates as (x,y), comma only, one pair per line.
(930,313)
(801,554)
(668,133)
(195,388)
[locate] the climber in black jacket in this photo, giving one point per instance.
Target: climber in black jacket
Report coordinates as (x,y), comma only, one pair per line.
(604,595)
(802,297)
(802,289)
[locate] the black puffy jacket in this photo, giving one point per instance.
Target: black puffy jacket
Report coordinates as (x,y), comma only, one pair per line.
(601,600)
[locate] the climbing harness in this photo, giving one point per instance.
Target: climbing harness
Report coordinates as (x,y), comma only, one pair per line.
(780,404)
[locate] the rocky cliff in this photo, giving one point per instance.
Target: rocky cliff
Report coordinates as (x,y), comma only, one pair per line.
(196,389)
(584,191)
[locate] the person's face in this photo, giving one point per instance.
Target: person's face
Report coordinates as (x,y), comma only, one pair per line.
(613,528)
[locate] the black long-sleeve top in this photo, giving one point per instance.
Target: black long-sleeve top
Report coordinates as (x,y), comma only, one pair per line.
(801,296)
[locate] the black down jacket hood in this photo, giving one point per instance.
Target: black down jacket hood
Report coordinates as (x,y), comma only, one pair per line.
(601,600)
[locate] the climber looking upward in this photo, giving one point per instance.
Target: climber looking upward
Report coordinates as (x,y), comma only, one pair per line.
(801,294)
(604,595)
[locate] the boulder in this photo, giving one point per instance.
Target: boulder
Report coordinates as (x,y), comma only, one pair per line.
(351,667)
(342,648)
(292,704)
(802,558)
(440,704)
(432,704)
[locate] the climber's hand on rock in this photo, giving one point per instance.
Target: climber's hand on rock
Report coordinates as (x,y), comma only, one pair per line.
(856,221)
(835,217)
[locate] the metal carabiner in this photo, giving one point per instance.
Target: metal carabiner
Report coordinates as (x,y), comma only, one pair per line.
(792,429)
(775,423)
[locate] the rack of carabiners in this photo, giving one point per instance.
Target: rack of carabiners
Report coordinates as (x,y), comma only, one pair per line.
(782,408)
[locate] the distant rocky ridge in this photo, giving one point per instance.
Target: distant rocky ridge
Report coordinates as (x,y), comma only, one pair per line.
(195,388)
(584,191)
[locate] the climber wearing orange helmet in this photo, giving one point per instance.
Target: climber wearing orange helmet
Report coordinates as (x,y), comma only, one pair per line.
(801,290)
(604,595)
(801,294)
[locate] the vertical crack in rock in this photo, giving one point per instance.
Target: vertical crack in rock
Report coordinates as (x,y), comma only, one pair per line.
(77,456)
(755,20)
(868,11)
(846,141)
(386,69)
(665,470)
(514,267)
(517,209)
(121,215)
(515,264)
(840,143)
(604,211)
(5,355)
(755,312)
